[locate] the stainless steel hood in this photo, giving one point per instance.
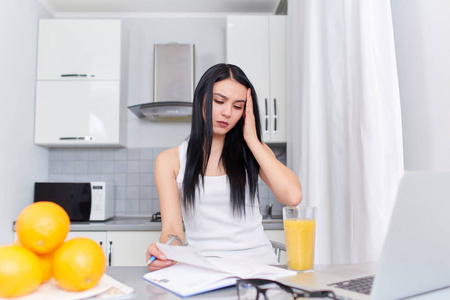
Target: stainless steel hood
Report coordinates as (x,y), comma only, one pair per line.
(173,84)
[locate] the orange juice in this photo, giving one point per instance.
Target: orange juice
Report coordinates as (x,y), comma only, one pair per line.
(300,236)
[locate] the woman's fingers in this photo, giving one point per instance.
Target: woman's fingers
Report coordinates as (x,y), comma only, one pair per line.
(153,250)
(249,104)
(160,264)
(160,261)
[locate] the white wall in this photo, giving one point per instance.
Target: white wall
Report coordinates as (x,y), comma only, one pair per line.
(422,41)
(21,162)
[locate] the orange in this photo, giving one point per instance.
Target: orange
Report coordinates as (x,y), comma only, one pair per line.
(42,226)
(47,264)
(20,271)
(78,264)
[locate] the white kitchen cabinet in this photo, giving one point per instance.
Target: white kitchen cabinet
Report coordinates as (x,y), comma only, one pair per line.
(79,99)
(278,236)
(79,47)
(121,248)
(257,44)
(68,111)
(128,248)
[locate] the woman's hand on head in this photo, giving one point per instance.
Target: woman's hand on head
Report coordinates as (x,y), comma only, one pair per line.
(249,129)
(161,260)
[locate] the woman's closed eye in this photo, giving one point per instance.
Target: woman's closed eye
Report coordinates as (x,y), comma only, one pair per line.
(236,106)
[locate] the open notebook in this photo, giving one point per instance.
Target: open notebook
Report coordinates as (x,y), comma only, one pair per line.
(416,255)
(194,274)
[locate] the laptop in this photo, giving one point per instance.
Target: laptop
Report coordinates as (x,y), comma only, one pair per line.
(415,260)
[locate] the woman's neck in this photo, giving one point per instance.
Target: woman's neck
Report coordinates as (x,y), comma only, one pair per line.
(217,143)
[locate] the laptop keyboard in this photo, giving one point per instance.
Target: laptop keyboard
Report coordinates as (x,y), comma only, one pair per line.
(361,285)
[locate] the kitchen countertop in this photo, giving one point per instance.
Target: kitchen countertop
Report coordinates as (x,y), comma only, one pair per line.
(144,224)
(132,223)
(118,224)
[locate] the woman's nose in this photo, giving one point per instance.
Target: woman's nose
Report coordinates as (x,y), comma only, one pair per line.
(226,112)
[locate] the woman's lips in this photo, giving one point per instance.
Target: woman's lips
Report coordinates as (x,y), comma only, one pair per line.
(222,123)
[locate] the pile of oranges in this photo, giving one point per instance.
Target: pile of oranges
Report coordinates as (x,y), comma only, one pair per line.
(41,253)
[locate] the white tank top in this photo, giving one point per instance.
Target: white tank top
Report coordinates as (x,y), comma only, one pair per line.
(213,229)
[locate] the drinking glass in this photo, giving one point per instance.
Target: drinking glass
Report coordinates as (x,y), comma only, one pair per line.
(300,231)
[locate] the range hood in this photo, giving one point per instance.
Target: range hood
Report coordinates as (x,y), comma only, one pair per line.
(173,84)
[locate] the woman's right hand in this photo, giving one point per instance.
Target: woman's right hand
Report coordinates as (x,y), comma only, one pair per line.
(161,260)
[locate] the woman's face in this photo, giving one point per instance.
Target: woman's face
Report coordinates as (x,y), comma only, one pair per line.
(229,99)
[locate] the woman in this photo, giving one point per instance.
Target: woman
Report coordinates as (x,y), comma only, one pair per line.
(210,181)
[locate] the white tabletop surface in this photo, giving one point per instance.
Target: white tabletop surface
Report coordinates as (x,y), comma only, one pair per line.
(132,276)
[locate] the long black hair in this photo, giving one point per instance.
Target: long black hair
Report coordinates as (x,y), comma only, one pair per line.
(240,165)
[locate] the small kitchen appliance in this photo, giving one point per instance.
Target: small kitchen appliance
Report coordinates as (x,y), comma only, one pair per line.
(83,201)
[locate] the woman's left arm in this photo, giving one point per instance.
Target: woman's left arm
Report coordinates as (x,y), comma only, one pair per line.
(280,179)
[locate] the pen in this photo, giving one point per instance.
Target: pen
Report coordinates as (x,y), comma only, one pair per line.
(152,258)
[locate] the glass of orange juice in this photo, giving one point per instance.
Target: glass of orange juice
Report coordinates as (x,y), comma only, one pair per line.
(300,231)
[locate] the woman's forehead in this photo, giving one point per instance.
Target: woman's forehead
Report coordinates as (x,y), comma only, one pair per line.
(229,87)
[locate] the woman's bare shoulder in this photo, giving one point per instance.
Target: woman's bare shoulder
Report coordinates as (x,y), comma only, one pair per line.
(168,159)
(168,153)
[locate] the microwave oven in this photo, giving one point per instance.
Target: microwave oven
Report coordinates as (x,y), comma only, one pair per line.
(83,201)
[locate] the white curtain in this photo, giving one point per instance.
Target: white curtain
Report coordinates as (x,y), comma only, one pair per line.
(345,140)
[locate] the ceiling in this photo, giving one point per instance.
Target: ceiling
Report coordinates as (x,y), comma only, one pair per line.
(162,6)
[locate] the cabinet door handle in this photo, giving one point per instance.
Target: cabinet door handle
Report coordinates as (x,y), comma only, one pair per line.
(110,253)
(266,128)
(275,116)
(78,75)
(77,138)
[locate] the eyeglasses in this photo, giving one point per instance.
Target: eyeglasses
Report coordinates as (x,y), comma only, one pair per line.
(253,289)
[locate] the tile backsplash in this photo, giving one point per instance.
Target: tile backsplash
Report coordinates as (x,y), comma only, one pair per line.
(131,171)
